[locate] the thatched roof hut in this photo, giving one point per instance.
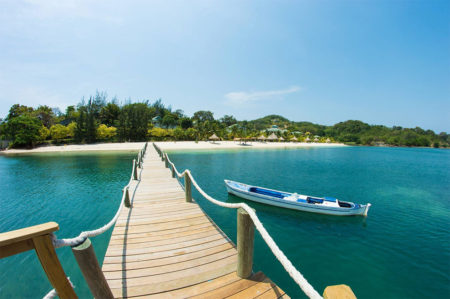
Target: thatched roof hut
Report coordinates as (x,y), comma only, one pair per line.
(262,137)
(294,139)
(213,137)
(281,139)
(328,140)
(272,137)
(307,139)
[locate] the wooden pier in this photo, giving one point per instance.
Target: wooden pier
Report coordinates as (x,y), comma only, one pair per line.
(163,246)
(166,247)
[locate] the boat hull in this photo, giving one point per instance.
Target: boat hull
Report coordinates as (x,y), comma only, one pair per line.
(269,200)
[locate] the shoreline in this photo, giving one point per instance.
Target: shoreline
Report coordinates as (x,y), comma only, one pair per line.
(165,145)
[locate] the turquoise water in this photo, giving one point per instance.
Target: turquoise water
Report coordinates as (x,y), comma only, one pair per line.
(78,191)
(402,250)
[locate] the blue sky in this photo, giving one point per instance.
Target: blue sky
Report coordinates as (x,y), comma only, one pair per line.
(383,62)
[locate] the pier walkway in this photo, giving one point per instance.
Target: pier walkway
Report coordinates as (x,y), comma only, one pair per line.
(165,247)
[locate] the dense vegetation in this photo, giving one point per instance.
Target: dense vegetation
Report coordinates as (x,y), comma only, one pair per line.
(100,120)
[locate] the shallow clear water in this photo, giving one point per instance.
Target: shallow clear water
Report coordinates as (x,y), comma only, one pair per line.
(401,250)
(79,191)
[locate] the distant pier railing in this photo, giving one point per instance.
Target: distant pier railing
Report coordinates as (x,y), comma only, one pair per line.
(42,239)
(247,221)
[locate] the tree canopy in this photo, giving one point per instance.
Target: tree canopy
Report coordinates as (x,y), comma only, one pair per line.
(100,119)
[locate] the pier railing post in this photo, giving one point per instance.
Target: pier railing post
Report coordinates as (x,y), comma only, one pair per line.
(245,242)
(88,263)
(173,171)
(187,187)
(338,292)
(127,202)
(135,174)
(166,161)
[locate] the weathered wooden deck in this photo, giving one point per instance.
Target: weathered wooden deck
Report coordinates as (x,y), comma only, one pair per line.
(164,247)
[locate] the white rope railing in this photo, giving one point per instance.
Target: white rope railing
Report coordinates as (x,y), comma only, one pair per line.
(57,243)
(93,233)
(285,262)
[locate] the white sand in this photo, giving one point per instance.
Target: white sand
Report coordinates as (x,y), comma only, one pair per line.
(125,146)
(180,145)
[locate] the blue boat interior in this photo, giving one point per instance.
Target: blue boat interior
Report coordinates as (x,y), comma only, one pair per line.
(268,192)
(309,199)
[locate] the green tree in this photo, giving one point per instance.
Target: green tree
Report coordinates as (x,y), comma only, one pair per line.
(24,130)
(134,122)
(44,133)
(228,120)
(109,114)
(178,133)
(46,115)
(202,116)
(71,128)
(58,132)
(185,123)
(17,110)
(104,132)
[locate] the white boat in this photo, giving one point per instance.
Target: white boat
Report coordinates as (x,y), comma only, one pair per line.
(322,205)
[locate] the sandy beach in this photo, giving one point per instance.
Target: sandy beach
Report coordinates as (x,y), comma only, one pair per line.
(180,145)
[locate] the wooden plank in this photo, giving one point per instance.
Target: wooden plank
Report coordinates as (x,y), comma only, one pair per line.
(175,275)
(197,288)
(27,233)
(161,219)
(159,288)
(161,254)
(235,287)
(258,289)
(118,250)
(161,226)
(163,237)
(167,268)
(16,248)
(273,293)
(166,241)
(128,265)
(120,236)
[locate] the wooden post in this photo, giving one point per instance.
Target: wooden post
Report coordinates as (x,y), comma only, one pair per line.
(135,175)
(166,161)
(245,240)
(162,156)
(52,267)
(88,263)
(127,202)
(187,187)
(341,291)
(173,171)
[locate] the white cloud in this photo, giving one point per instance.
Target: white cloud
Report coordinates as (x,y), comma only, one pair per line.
(242,97)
